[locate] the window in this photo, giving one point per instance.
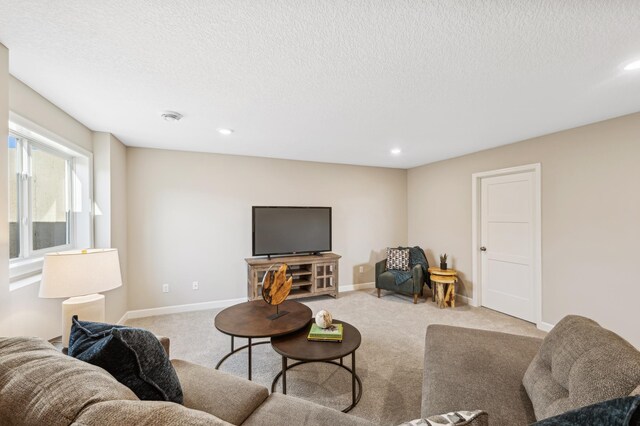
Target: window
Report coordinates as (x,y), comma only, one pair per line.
(49,200)
(39,190)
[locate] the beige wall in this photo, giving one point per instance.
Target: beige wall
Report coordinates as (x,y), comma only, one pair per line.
(110,192)
(5,303)
(118,302)
(189,218)
(590,217)
(29,104)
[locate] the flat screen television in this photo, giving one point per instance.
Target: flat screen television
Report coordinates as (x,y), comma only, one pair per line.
(290,230)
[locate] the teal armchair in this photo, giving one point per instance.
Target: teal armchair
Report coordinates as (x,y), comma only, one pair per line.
(385,280)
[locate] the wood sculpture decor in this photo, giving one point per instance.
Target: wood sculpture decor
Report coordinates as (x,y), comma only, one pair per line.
(276,287)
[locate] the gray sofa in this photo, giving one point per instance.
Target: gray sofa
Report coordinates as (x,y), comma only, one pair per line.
(515,379)
(41,386)
(518,380)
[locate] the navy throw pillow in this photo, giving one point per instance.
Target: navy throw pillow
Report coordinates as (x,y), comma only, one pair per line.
(133,356)
(615,412)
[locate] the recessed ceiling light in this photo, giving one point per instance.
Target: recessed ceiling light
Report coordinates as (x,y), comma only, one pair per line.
(396,151)
(171,116)
(225,132)
(635,65)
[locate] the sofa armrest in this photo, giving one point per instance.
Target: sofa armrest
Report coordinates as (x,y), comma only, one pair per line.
(380,268)
(227,397)
(166,344)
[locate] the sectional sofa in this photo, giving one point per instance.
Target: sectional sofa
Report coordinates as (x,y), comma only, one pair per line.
(515,379)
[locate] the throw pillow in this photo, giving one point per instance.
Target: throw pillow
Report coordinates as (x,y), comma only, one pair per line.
(398,259)
(133,356)
(620,411)
(458,418)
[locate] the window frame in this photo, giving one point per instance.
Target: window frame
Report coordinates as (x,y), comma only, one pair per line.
(27,269)
(25,195)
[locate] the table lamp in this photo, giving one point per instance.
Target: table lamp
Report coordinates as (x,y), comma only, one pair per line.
(80,275)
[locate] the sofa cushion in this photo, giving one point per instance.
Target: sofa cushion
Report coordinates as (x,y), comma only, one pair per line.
(281,409)
(133,356)
(579,364)
(144,413)
(226,396)
(468,368)
(41,386)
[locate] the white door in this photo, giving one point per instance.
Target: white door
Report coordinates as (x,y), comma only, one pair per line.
(507,240)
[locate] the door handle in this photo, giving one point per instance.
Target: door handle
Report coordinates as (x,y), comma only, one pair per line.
(483,248)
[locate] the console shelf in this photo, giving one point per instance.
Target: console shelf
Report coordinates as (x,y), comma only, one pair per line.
(313,275)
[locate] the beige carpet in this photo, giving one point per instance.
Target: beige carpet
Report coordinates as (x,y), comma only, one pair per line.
(389,361)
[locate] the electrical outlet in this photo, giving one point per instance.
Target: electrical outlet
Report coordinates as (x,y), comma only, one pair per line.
(195,285)
(165,288)
(361,269)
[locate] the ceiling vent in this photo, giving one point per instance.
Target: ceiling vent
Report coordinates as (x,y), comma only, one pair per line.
(171,116)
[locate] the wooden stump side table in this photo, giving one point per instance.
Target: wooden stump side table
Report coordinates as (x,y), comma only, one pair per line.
(444,286)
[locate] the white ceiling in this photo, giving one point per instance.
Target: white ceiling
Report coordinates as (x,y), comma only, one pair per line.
(330,81)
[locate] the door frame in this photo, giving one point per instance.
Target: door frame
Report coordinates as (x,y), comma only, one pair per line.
(476,229)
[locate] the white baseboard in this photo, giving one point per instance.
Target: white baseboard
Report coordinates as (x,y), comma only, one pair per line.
(124,318)
(142,313)
(544,326)
(465,299)
(354,287)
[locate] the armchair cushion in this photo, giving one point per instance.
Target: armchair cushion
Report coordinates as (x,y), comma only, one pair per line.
(398,259)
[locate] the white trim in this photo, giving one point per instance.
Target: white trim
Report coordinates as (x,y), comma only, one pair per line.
(24,282)
(465,299)
(476,179)
(72,153)
(124,319)
(544,326)
(356,287)
(175,309)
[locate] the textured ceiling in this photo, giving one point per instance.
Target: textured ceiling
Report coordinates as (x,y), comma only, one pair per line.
(330,81)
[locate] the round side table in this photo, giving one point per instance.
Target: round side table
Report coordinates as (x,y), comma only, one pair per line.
(296,346)
(251,320)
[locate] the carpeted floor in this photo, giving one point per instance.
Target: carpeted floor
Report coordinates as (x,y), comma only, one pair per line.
(389,361)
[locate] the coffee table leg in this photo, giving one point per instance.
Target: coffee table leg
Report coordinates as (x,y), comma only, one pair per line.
(231,343)
(353,377)
(284,375)
(249,364)
(341,360)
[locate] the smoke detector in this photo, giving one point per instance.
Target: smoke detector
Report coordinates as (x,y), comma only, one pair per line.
(171,116)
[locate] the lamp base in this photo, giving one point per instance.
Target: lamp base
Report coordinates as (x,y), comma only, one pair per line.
(87,308)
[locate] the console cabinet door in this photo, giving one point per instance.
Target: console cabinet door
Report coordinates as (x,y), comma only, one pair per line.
(325,276)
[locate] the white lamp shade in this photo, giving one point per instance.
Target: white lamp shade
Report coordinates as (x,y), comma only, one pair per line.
(80,272)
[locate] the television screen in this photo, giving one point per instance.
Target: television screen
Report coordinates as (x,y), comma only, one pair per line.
(291,230)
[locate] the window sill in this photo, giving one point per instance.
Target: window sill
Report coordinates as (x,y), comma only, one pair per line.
(25,272)
(25,282)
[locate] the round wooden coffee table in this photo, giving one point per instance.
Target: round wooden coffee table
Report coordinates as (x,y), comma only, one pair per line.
(296,346)
(251,320)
